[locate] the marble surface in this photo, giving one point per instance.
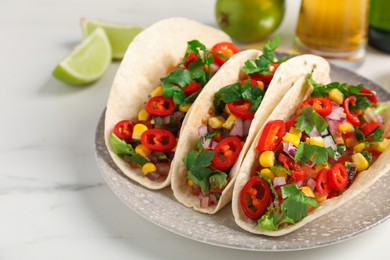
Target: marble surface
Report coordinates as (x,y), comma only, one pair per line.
(54,203)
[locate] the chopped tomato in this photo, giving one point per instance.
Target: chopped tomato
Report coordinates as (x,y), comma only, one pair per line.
(192,88)
(226,153)
(159,140)
(265,78)
(255,197)
(124,129)
(321,105)
(372,97)
(298,174)
(241,108)
(224,49)
(338,177)
(272,135)
(160,106)
(191,58)
(252,82)
(353,119)
(322,182)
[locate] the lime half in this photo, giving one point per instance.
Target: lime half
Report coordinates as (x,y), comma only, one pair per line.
(87,62)
(119,34)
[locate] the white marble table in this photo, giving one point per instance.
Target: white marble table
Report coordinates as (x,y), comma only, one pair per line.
(54,203)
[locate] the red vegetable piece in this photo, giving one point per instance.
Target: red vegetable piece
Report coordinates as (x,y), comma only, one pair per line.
(160,106)
(272,135)
(226,153)
(241,108)
(227,49)
(159,140)
(372,97)
(124,129)
(322,182)
(321,105)
(192,88)
(338,177)
(353,119)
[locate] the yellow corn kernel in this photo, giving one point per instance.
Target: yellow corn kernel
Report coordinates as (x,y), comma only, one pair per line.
(267,159)
(351,142)
(190,183)
(229,123)
(227,109)
(159,91)
(359,147)
(260,84)
(307,191)
(148,167)
(268,173)
(296,132)
(138,130)
(345,128)
(185,108)
(143,150)
(360,161)
(143,115)
(317,140)
(320,197)
(216,122)
(381,146)
(291,138)
(336,95)
(319,167)
(281,174)
(209,68)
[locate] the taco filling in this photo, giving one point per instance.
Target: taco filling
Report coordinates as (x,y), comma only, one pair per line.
(148,142)
(337,133)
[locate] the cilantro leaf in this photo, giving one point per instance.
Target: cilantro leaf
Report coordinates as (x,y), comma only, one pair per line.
(295,205)
(374,137)
(120,147)
(174,84)
(198,172)
(317,154)
(278,168)
(230,93)
(218,179)
(309,119)
(273,218)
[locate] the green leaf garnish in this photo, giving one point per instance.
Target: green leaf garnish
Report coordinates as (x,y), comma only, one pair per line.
(309,119)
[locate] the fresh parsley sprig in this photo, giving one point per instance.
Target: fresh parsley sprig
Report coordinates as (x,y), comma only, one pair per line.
(124,149)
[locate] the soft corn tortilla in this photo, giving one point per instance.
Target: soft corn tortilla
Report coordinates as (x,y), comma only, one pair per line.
(284,111)
(146,61)
(290,73)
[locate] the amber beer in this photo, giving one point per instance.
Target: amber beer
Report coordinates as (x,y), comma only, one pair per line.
(333,28)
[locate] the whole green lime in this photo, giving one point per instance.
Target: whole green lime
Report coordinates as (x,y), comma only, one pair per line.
(249,20)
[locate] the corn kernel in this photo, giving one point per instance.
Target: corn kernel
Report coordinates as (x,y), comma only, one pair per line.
(159,91)
(359,147)
(143,150)
(227,109)
(143,115)
(351,142)
(307,191)
(281,174)
(190,183)
(148,167)
(336,95)
(381,146)
(260,84)
(360,161)
(345,128)
(296,132)
(185,108)
(268,173)
(138,130)
(319,167)
(267,159)
(317,140)
(229,123)
(209,68)
(320,197)
(291,138)
(216,122)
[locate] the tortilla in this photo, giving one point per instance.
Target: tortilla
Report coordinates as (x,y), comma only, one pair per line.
(146,61)
(284,111)
(290,73)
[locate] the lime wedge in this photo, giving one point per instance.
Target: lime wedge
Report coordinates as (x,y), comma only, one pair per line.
(87,62)
(120,35)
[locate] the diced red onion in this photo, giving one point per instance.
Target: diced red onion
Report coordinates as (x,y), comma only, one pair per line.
(204,201)
(162,168)
(212,199)
(311,183)
(299,184)
(289,149)
(247,124)
(202,130)
(328,142)
(314,132)
(153,176)
(279,181)
(337,113)
(208,144)
(238,128)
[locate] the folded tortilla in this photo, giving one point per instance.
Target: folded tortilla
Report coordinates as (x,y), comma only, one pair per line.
(284,111)
(146,61)
(290,73)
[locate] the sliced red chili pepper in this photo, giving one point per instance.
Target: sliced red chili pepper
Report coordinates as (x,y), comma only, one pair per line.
(322,182)
(290,123)
(372,97)
(272,135)
(192,88)
(255,197)
(353,119)
(124,129)
(227,49)
(338,177)
(321,105)
(226,153)
(160,106)
(159,140)
(241,108)
(265,78)
(287,162)
(369,127)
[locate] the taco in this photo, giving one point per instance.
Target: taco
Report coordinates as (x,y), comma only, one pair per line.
(225,118)
(311,156)
(163,71)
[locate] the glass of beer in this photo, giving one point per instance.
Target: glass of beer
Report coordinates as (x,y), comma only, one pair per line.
(335,29)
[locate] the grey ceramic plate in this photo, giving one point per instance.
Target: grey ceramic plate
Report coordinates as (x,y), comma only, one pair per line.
(366,211)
